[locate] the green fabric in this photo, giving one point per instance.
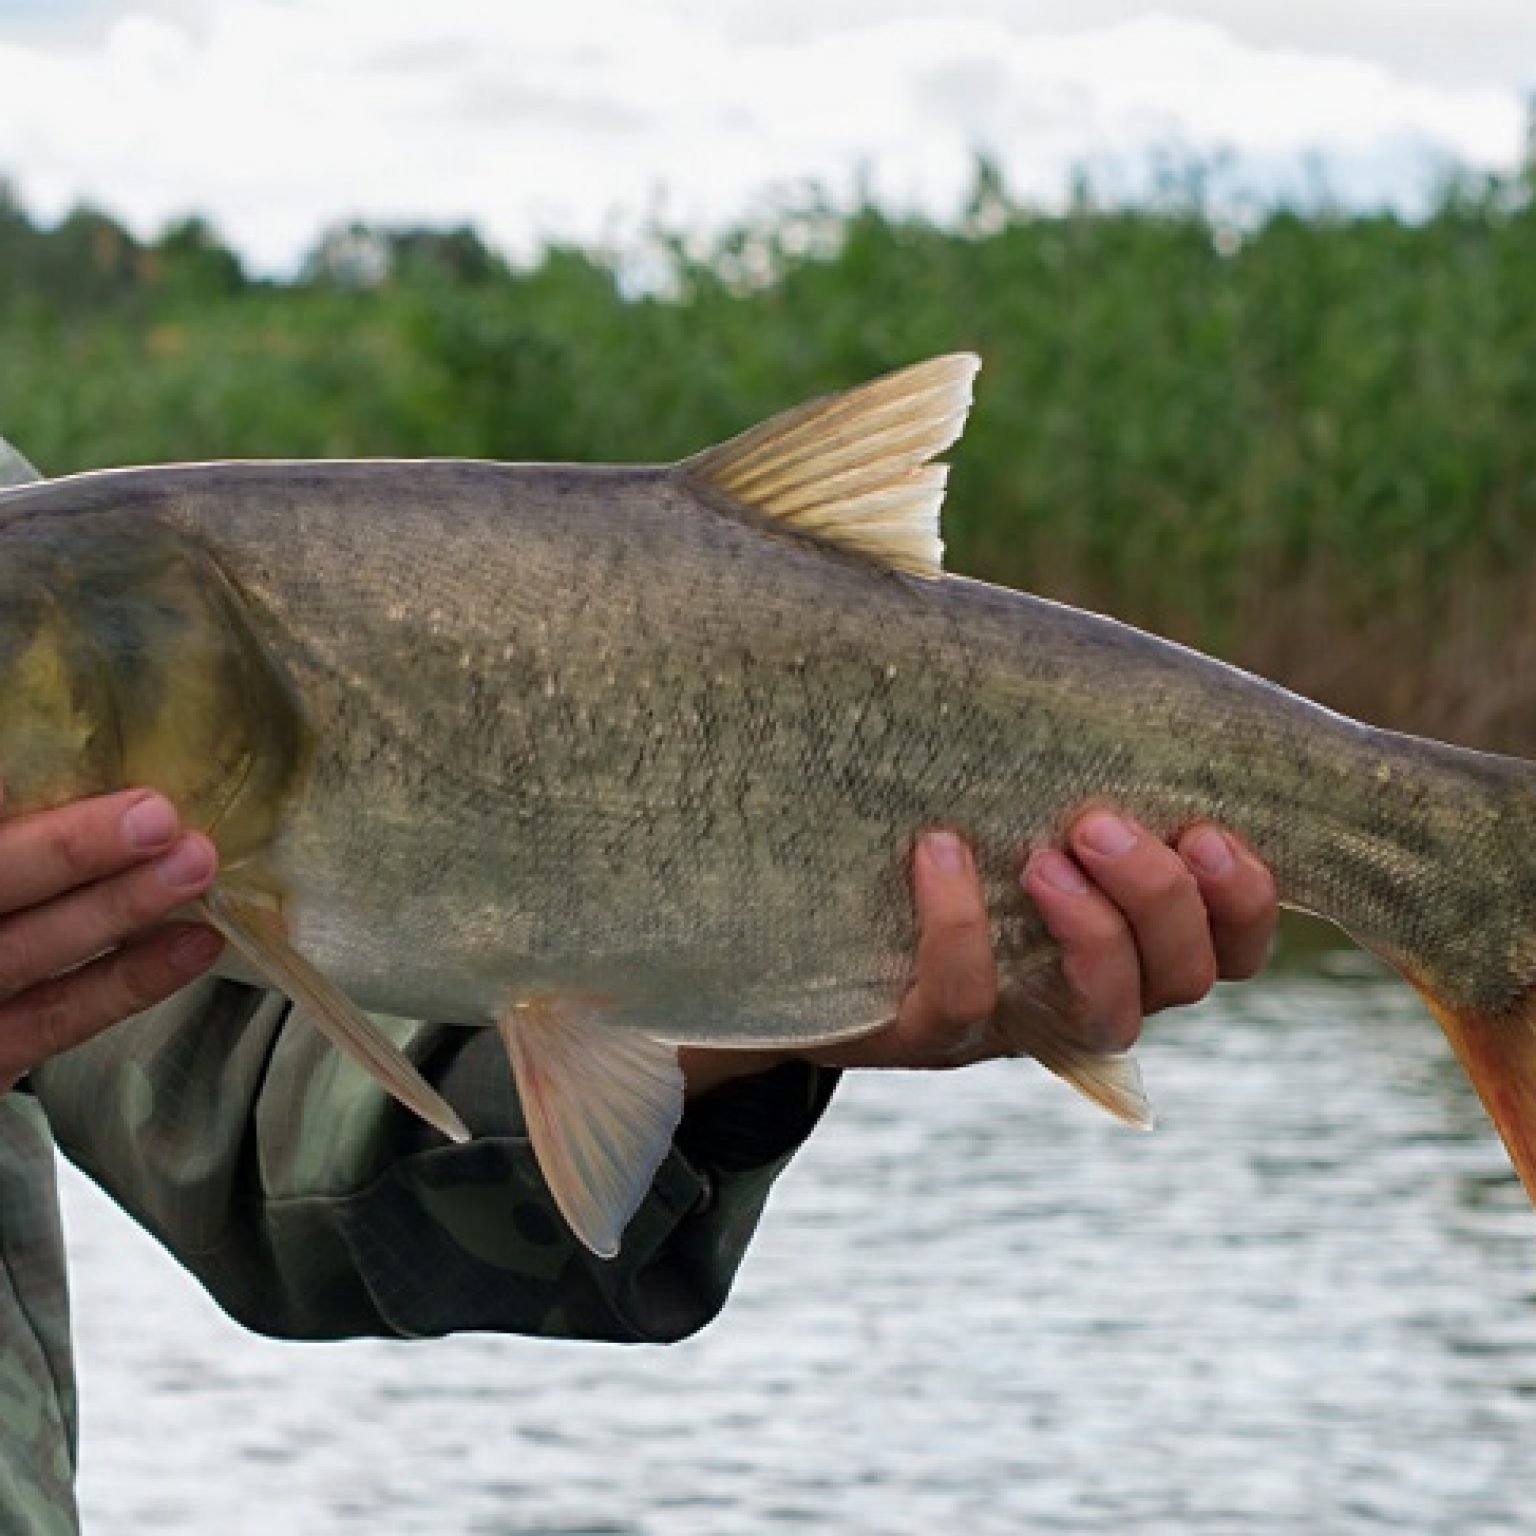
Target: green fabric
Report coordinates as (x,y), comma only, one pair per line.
(37,1384)
(312,1206)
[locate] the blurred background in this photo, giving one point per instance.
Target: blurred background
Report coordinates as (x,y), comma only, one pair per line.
(1255,286)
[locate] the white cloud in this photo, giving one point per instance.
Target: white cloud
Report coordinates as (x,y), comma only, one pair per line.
(1449,42)
(278,116)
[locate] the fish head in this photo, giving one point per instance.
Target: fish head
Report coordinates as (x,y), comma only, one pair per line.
(127,658)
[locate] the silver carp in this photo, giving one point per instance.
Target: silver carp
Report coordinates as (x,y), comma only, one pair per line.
(617,759)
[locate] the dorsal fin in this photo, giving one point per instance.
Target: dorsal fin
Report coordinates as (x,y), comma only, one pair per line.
(855,469)
(14,470)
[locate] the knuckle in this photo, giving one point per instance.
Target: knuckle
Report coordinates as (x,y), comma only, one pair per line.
(18,967)
(1101,988)
(1188,982)
(53,1012)
(1243,957)
(135,981)
(1168,881)
(1202,977)
(968,929)
(1252,903)
(1118,1030)
(76,848)
(132,901)
(1242,967)
(970,996)
(1098,930)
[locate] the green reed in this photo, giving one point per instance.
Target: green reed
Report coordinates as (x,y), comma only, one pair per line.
(1305,444)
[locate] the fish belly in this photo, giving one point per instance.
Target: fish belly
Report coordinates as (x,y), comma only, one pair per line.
(738,942)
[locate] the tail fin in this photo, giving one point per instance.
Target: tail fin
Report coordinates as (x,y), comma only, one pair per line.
(1498,1052)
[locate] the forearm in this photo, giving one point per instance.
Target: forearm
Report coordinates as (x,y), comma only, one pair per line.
(310,1205)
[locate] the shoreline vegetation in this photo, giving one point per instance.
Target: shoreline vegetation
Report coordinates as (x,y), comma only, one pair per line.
(1306,443)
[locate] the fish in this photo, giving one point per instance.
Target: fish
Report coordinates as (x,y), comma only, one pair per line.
(618,759)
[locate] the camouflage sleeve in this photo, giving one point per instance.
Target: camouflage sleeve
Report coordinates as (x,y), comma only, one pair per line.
(37,1379)
(312,1206)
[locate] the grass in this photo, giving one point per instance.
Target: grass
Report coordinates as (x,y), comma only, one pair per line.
(1306,446)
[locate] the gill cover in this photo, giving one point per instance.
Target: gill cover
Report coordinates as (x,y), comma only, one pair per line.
(128,657)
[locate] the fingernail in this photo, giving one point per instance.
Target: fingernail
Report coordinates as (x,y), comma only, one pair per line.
(195,950)
(1057,870)
(1210,852)
(1106,834)
(187,865)
(947,852)
(149,824)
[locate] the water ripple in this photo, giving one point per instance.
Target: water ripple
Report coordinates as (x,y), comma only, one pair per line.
(1304,1305)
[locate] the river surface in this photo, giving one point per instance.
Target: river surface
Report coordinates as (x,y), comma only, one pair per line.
(1305,1304)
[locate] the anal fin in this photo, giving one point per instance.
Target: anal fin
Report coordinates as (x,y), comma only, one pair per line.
(601,1103)
(1110,1080)
(257,932)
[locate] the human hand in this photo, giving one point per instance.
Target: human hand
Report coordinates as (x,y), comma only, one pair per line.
(80,890)
(1142,927)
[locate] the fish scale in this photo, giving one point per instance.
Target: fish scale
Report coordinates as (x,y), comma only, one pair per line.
(621,758)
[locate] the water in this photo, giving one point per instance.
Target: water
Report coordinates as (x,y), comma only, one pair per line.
(1304,1305)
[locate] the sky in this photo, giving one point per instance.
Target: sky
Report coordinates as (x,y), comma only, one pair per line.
(584,119)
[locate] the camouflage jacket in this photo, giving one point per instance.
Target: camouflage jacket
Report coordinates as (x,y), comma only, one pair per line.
(313,1207)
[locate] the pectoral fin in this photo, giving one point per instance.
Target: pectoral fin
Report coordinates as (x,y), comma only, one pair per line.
(601,1104)
(15,470)
(257,932)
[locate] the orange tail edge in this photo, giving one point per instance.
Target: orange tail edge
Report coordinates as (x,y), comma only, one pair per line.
(1498,1053)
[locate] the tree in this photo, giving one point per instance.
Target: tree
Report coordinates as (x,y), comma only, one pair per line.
(190,260)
